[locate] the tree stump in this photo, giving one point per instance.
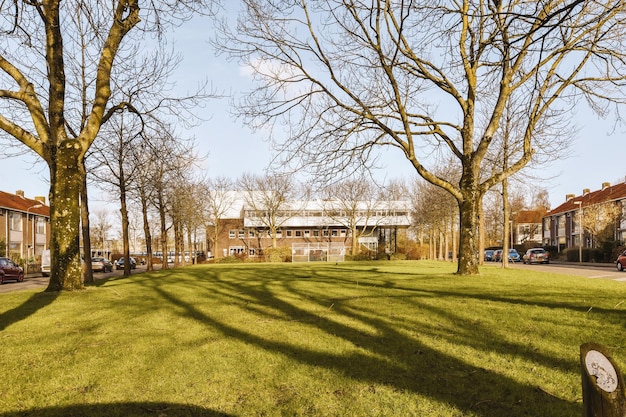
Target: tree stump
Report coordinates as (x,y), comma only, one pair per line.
(602,383)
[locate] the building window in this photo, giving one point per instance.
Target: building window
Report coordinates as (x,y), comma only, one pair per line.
(250,233)
(316,233)
(307,233)
(335,233)
(41,226)
(232,234)
(242,234)
(288,233)
(298,233)
(16,222)
(326,232)
(236,250)
(251,252)
(279,234)
(343,232)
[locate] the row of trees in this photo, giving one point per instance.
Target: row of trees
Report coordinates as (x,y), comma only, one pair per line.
(490,85)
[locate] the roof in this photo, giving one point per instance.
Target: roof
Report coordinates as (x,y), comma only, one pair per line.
(529,216)
(607,193)
(16,202)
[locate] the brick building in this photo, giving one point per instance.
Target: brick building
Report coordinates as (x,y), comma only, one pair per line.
(24,225)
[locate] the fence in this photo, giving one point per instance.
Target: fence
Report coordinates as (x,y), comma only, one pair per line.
(318,252)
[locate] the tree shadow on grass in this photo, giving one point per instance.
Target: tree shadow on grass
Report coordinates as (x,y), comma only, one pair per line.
(130,409)
(29,307)
(387,356)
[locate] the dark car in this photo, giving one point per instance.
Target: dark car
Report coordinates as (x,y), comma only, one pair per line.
(120,263)
(10,271)
(514,256)
(488,255)
(536,256)
(621,261)
(99,264)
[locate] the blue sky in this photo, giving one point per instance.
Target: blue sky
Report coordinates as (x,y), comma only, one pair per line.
(596,152)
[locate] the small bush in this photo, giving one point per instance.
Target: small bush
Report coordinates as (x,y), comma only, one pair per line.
(398,256)
(228,260)
(282,254)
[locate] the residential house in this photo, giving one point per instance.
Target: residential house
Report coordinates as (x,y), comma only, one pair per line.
(603,210)
(527,227)
(24,225)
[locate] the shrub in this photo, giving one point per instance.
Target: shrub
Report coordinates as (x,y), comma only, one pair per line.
(282,254)
(228,260)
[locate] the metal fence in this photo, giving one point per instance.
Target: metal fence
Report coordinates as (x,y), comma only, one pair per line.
(318,252)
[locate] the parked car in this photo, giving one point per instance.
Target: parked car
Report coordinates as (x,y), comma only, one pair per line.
(621,261)
(488,255)
(120,263)
(497,255)
(536,255)
(10,271)
(99,264)
(514,255)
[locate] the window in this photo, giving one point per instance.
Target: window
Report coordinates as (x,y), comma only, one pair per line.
(316,233)
(326,233)
(251,252)
(307,233)
(250,233)
(279,234)
(298,233)
(232,234)
(288,233)
(335,233)
(343,232)
(41,226)
(236,250)
(242,234)
(16,222)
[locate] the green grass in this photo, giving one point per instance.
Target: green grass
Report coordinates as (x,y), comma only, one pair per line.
(353,339)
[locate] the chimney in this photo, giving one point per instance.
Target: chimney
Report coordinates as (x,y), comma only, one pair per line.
(20,193)
(568,197)
(606,185)
(41,199)
(586,191)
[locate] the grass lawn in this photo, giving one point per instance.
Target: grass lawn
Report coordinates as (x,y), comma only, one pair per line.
(353,339)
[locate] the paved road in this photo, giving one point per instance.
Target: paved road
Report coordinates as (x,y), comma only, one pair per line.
(596,271)
(37,281)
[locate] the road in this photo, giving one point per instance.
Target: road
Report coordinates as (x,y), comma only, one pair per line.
(37,281)
(595,271)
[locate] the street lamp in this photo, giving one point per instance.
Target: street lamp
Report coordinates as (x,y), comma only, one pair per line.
(580,233)
(32,227)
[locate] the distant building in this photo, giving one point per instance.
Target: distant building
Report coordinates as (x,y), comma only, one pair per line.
(562,225)
(24,225)
(527,227)
(245,231)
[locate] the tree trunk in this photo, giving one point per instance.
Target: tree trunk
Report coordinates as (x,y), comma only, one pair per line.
(147,233)
(469,239)
(65,184)
(84,214)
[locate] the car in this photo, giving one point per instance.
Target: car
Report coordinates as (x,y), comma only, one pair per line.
(497,255)
(10,271)
(99,264)
(514,255)
(120,263)
(621,261)
(536,255)
(488,255)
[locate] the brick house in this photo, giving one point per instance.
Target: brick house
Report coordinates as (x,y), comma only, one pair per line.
(562,225)
(24,225)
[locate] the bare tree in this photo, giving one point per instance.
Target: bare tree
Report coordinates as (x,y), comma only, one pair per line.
(599,221)
(351,77)
(219,200)
(353,203)
(270,200)
(54,102)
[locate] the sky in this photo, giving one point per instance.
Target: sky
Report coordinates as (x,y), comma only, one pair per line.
(233,149)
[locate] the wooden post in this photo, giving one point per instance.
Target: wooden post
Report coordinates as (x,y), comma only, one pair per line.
(602,382)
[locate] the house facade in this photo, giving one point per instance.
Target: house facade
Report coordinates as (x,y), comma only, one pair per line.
(24,226)
(310,226)
(581,219)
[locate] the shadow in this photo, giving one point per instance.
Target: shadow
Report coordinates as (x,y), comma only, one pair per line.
(388,354)
(29,307)
(130,409)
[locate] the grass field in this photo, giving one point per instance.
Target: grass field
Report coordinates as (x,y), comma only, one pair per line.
(353,339)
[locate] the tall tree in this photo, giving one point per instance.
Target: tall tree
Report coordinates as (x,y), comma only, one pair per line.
(45,87)
(350,76)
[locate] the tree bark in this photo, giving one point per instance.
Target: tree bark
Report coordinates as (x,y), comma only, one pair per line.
(66,182)
(469,219)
